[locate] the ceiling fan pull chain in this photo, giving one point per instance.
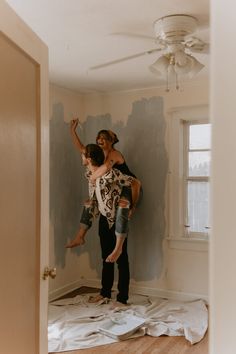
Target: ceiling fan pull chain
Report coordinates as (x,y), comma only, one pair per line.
(176,81)
(167,81)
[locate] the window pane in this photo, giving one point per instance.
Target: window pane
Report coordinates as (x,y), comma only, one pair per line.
(199,163)
(198,206)
(199,136)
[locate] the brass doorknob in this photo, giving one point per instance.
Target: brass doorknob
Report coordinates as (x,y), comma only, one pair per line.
(49,273)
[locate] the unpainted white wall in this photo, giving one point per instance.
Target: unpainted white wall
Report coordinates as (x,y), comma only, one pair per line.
(223,191)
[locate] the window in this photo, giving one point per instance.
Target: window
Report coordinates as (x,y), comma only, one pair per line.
(189,172)
(197,137)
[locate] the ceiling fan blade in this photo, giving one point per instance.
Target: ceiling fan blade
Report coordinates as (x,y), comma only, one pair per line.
(204,50)
(133,35)
(203,32)
(197,45)
(147,52)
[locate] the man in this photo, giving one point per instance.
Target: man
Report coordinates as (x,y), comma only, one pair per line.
(113,222)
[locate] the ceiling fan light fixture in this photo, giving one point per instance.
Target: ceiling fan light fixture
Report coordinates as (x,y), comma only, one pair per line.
(160,66)
(182,69)
(175,65)
(196,67)
(181,58)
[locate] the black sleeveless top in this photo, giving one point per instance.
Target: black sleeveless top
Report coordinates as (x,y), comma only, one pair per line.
(123,168)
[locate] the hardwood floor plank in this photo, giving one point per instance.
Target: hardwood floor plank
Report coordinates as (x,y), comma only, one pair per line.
(149,345)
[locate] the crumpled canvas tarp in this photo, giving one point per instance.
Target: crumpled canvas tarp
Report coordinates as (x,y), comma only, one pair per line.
(74,323)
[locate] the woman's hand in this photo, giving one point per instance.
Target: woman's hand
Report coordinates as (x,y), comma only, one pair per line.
(75,138)
(74,123)
(131,212)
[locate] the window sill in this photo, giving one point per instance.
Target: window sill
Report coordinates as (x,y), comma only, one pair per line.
(189,244)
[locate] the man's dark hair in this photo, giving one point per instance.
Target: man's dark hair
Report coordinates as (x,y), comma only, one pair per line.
(95,153)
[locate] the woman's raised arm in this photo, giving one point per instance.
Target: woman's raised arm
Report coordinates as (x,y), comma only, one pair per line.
(76,140)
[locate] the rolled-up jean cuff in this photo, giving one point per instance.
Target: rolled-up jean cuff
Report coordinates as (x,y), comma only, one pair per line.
(121,235)
(122,221)
(84,226)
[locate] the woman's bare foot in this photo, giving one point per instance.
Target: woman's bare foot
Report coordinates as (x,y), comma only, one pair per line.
(78,241)
(79,238)
(114,256)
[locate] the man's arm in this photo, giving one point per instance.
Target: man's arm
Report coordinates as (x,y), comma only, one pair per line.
(112,158)
(102,170)
(75,138)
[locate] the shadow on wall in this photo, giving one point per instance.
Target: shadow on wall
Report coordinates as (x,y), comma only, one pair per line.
(142,142)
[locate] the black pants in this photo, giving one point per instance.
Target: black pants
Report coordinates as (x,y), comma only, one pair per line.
(108,241)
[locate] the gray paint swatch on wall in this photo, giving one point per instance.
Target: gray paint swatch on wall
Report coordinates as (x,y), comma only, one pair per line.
(142,142)
(144,149)
(68,188)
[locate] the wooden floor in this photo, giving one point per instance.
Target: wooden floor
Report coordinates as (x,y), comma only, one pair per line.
(144,345)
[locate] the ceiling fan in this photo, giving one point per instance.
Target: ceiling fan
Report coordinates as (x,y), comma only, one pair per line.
(176,43)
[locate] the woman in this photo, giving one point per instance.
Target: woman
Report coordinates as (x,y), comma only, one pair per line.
(106,139)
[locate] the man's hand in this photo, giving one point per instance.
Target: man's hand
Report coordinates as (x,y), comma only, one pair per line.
(92,179)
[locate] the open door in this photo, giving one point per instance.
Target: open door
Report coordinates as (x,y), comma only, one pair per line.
(24,180)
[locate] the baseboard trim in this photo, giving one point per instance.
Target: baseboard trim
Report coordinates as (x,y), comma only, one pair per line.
(56,293)
(168,294)
(163,293)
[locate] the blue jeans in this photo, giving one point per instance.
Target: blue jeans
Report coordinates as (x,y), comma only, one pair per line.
(122,213)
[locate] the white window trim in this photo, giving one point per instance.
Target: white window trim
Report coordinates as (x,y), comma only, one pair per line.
(177,236)
(186,124)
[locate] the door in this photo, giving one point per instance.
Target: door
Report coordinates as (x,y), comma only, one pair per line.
(23,187)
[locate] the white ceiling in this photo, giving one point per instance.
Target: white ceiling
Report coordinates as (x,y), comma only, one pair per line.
(81,34)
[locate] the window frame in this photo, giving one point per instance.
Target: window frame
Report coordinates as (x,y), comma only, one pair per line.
(187,178)
(176,123)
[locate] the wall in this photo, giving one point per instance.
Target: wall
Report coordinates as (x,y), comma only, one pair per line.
(223,191)
(140,120)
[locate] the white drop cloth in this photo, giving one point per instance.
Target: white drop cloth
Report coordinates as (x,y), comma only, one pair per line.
(74,323)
